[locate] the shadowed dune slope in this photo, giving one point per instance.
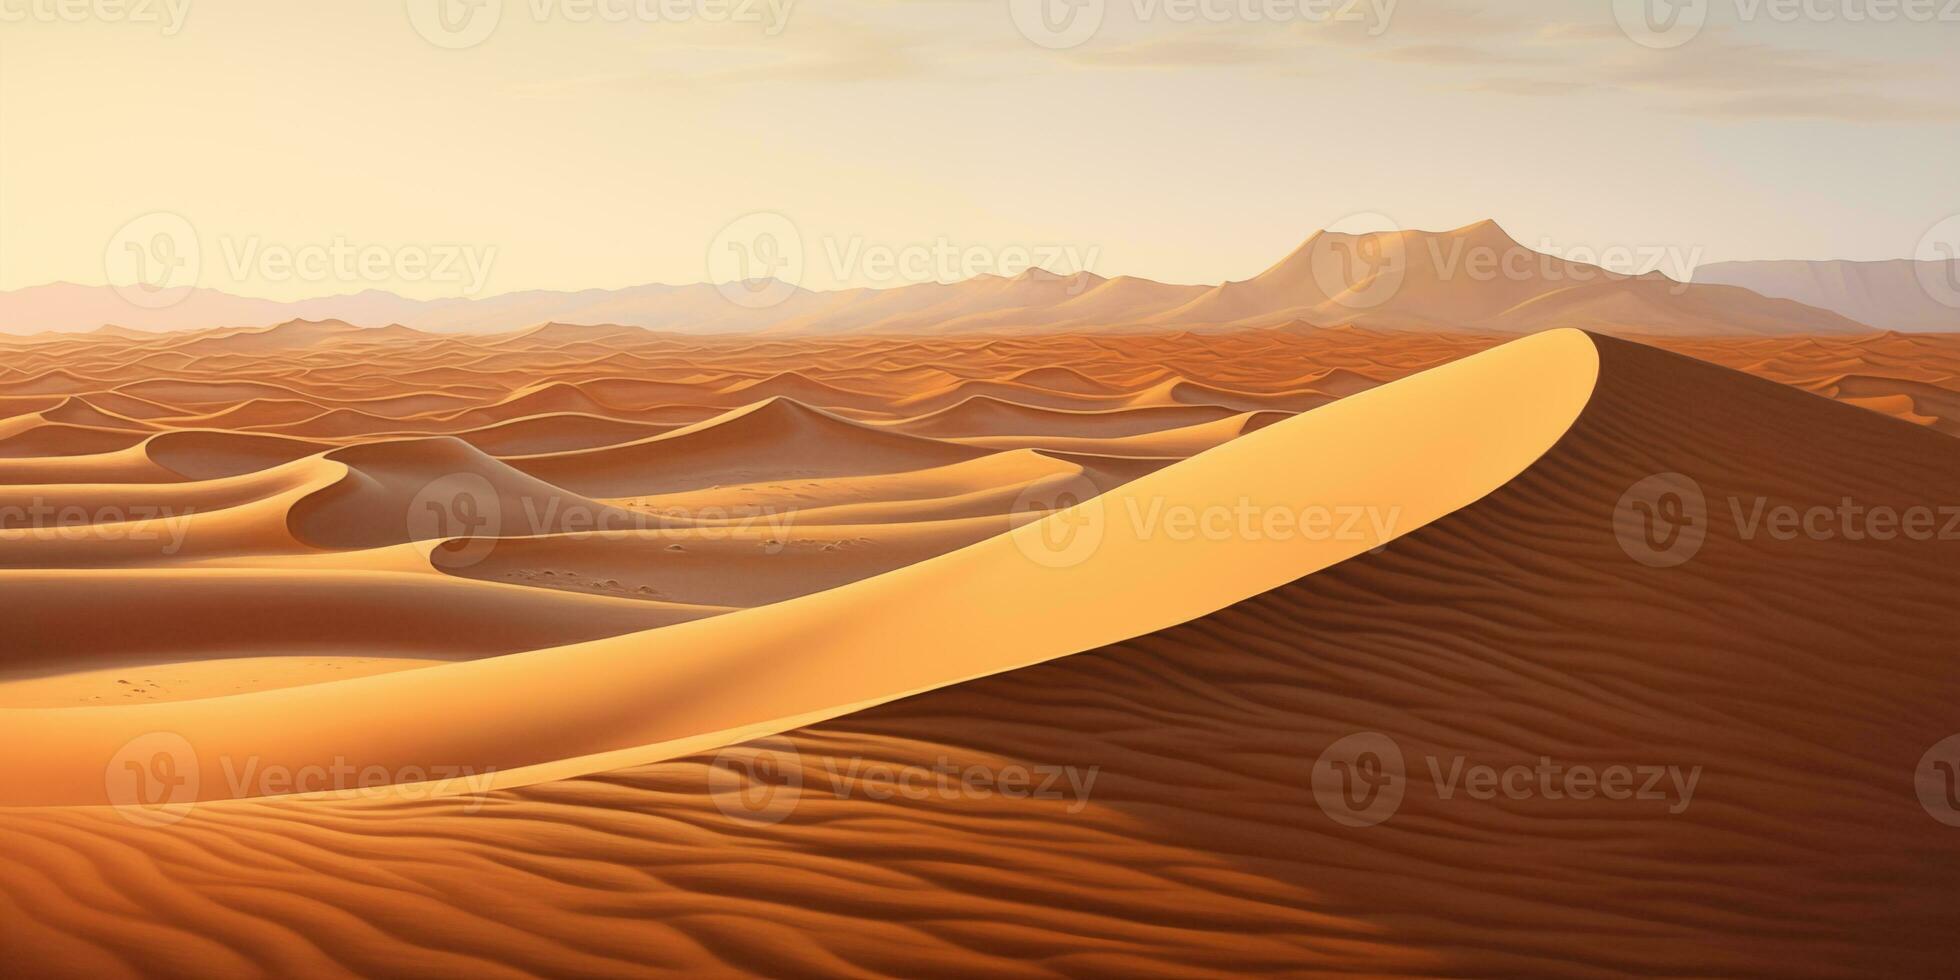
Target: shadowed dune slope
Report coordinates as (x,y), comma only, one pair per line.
(1805,677)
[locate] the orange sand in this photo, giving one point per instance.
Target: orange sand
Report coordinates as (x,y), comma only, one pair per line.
(282,557)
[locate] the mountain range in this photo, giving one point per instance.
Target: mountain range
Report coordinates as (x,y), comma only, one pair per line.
(1896,294)
(1475,278)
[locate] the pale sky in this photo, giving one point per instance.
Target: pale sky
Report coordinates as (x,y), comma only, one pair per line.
(1183,141)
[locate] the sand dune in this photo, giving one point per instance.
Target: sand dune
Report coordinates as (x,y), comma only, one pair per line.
(983,415)
(886,580)
(429,489)
(208,455)
(38,436)
(1888,364)
(770,440)
(559,432)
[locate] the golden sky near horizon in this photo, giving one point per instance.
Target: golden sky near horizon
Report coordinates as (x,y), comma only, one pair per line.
(317,149)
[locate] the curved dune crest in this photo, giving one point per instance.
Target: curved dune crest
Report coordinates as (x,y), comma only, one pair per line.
(985,415)
(1410,452)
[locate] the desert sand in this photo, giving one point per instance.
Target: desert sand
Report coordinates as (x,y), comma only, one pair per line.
(664,598)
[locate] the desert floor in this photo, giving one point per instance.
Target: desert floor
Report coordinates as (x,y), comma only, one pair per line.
(790,656)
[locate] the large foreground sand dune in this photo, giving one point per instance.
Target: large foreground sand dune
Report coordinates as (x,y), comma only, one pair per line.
(1169,800)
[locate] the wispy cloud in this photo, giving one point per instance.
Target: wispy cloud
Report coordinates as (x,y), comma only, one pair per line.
(1455,54)
(1188,52)
(1718,74)
(1569,51)
(1831,107)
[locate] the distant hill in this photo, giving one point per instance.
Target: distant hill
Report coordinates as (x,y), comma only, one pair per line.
(1474,278)
(1897,294)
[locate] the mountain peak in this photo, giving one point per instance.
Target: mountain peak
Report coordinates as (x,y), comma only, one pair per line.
(1037,274)
(1485,232)
(312,326)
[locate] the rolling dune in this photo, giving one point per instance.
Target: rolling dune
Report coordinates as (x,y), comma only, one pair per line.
(846,657)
